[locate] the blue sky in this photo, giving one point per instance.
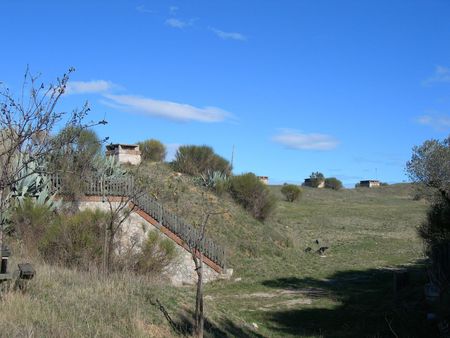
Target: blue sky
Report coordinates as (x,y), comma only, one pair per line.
(342,87)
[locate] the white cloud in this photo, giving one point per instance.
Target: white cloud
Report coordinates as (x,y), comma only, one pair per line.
(438,122)
(175,23)
(441,74)
(143,9)
(300,141)
(85,87)
(165,109)
(229,35)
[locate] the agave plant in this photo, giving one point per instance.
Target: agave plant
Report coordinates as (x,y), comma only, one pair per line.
(212,179)
(33,183)
(108,167)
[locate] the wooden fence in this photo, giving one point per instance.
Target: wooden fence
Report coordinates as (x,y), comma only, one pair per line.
(124,186)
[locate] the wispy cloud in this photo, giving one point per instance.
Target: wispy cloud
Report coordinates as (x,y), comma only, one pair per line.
(165,109)
(438,122)
(177,23)
(173,9)
(87,87)
(301,141)
(441,74)
(143,9)
(228,35)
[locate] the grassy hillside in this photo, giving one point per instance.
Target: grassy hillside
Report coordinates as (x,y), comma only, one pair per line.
(349,291)
(277,289)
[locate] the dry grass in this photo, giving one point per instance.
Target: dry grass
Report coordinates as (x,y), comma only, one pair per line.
(282,289)
(66,303)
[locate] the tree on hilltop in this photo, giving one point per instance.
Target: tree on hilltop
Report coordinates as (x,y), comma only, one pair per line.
(152,150)
(198,160)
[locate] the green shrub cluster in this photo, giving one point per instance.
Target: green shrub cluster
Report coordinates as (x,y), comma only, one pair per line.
(29,222)
(317,178)
(252,194)
(333,183)
(199,160)
(435,230)
(152,150)
(75,240)
(291,192)
(155,255)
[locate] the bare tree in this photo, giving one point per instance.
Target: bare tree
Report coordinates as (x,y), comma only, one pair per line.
(197,257)
(120,208)
(26,126)
(121,205)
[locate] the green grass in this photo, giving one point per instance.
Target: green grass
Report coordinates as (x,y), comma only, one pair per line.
(277,286)
(346,293)
(368,231)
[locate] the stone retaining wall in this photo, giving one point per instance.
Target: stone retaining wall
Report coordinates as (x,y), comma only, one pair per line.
(135,230)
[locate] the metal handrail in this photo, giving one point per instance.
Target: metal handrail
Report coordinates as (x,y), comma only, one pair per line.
(124,186)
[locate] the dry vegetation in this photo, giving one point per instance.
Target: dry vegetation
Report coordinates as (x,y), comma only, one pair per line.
(277,289)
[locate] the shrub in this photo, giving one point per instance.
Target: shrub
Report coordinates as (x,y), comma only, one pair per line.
(436,229)
(333,183)
(152,150)
(30,221)
(291,192)
(75,240)
(435,232)
(198,160)
(252,194)
(156,254)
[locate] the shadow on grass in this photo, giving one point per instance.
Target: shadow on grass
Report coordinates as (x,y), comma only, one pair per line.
(223,328)
(364,305)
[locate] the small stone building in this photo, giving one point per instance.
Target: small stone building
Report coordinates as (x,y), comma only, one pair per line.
(124,153)
(369,183)
(264,179)
(310,182)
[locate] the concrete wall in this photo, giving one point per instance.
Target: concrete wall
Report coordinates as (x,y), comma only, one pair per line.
(129,158)
(135,231)
(125,153)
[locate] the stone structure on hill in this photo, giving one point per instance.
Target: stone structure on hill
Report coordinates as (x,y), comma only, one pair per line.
(311,182)
(124,153)
(264,179)
(147,214)
(136,229)
(369,183)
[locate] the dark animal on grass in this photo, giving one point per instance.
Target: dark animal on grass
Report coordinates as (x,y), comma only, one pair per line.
(322,250)
(308,249)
